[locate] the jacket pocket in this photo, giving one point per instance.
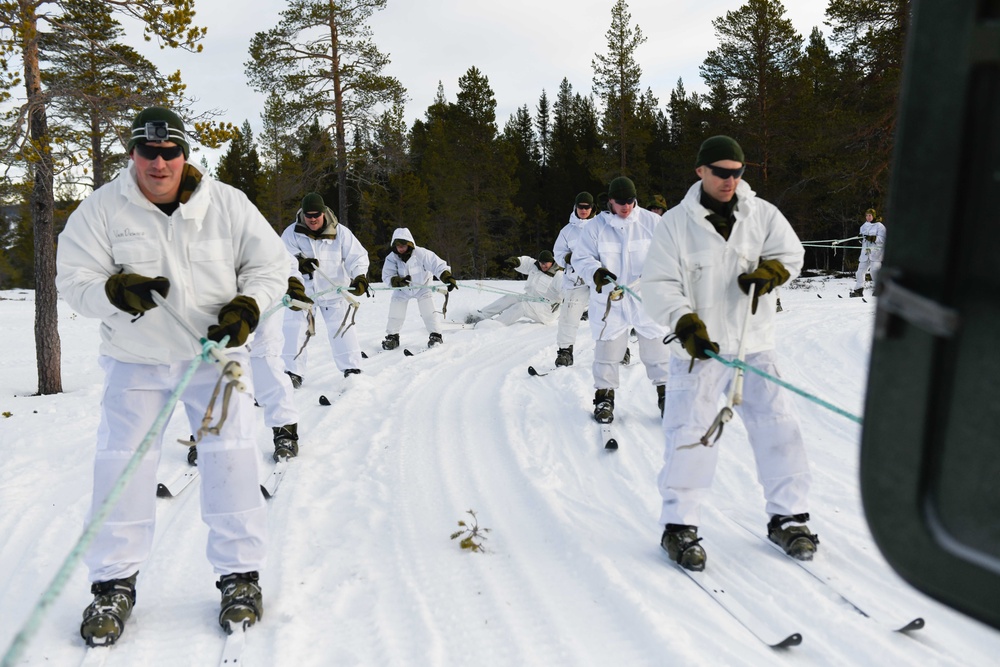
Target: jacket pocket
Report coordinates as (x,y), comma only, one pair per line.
(213,272)
(703,277)
(142,257)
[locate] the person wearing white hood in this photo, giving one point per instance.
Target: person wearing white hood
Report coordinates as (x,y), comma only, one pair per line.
(706,254)
(575,292)
(609,256)
(412,267)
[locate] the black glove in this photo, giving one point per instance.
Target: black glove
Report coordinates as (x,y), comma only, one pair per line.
(693,335)
(296,290)
(307,265)
(871,239)
(447,278)
(603,277)
(237,319)
(568,257)
(770,273)
(400,281)
(512,262)
(359,286)
(133,293)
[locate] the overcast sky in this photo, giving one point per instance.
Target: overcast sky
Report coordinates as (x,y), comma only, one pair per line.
(522,46)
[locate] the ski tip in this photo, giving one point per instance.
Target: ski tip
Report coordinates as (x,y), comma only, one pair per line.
(819,296)
(162,491)
(840,296)
(407,353)
(532,372)
(323,400)
(915,624)
(793,639)
(363,355)
(611,445)
(263,490)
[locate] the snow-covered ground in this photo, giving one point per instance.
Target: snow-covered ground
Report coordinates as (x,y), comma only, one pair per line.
(362,570)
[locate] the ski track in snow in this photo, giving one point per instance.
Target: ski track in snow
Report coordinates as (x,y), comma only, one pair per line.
(361,568)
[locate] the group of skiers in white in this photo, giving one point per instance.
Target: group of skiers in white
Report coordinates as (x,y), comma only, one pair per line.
(703,273)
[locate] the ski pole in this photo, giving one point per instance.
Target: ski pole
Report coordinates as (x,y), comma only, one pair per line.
(230,369)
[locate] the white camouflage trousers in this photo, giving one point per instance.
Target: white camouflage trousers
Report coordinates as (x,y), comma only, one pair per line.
(692,404)
(228,464)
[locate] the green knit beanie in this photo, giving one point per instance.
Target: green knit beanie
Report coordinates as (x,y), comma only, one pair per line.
(719,147)
(546,256)
(584,198)
(621,188)
(312,202)
(158,124)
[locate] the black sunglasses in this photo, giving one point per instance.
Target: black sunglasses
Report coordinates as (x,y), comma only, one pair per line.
(624,202)
(312,215)
(723,173)
(150,153)
(586,207)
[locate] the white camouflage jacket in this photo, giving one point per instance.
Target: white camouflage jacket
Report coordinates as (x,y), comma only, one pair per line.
(212,248)
(341,256)
(691,268)
(620,246)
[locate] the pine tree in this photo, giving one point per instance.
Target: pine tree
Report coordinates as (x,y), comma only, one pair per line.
(239,166)
(616,83)
(323,51)
(757,57)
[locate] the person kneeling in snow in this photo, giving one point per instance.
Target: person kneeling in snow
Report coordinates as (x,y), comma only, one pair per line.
(542,292)
(412,267)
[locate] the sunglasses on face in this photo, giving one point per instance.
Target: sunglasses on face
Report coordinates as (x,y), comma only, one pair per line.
(720,172)
(624,202)
(150,153)
(312,215)
(585,207)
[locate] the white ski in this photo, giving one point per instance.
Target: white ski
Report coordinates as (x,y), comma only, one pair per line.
(95,656)
(608,438)
(232,652)
(270,485)
(178,483)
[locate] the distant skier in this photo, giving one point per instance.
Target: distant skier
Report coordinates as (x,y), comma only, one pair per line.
(610,256)
(326,251)
(872,245)
(706,253)
(409,265)
(575,292)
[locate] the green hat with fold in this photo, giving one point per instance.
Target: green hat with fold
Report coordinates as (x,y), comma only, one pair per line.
(584,198)
(719,147)
(621,188)
(312,203)
(157,124)
(546,256)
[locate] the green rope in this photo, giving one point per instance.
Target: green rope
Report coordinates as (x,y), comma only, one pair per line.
(736,363)
(50,594)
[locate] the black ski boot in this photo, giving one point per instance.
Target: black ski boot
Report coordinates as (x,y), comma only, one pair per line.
(104,619)
(391,342)
(793,535)
(858,292)
(604,406)
(564,356)
(296,379)
(242,602)
(682,545)
(192,452)
(352,371)
(286,441)
(434,339)
(661,397)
